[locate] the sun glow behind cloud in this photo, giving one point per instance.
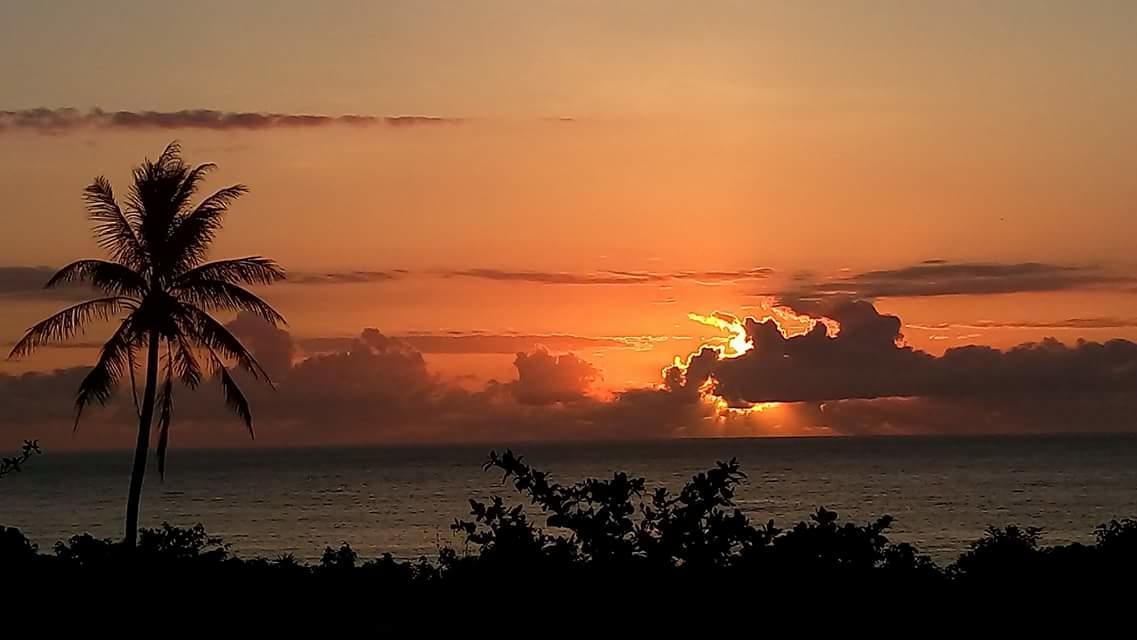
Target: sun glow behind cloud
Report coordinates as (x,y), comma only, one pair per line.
(789,322)
(738,343)
(762,416)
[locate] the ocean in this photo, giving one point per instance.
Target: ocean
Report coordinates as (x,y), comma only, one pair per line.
(943,492)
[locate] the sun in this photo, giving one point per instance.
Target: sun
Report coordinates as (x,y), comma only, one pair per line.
(739,342)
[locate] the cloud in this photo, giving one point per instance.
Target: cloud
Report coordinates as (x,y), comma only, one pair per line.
(492,343)
(27,282)
(612,277)
(379,388)
(23,280)
(376,389)
(39,398)
(70,344)
(547,379)
(379,382)
(942,278)
(55,121)
(271,346)
(1068,323)
(861,380)
(345,277)
(413,121)
(867,359)
(1063,411)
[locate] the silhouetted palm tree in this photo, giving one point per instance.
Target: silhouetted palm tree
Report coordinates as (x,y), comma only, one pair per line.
(160,287)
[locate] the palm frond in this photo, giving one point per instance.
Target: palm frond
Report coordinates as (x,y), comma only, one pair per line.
(250,270)
(203,329)
(190,240)
(165,411)
(114,358)
(171,155)
(185,364)
(111,277)
(189,185)
(70,321)
(152,198)
(234,398)
(217,295)
(117,232)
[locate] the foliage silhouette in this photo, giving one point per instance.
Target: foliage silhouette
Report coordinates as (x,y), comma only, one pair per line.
(15,549)
(1118,539)
(15,463)
(339,559)
(1004,553)
(160,288)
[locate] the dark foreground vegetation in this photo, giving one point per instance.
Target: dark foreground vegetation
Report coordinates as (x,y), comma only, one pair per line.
(611,555)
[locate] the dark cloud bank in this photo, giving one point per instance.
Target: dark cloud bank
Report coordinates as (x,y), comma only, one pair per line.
(863,381)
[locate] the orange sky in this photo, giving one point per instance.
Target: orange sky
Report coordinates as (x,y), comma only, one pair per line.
(592,138)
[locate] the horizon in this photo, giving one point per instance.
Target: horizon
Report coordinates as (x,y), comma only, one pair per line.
(526,445)
(603,221)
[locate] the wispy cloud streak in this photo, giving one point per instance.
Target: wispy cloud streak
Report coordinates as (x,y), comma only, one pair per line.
(57,121)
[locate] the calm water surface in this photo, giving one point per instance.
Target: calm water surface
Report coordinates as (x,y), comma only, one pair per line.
(942,491)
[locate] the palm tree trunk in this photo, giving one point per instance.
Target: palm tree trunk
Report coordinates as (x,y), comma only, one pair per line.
(142,448)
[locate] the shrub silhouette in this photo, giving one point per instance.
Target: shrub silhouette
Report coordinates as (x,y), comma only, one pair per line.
(15,549)
(340,559)
(1009,553)
(1118,538)
(605,523)
(172,544)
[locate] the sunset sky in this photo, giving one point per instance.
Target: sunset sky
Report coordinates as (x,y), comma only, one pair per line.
(584,175)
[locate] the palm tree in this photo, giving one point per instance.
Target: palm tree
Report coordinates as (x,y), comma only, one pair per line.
(161,290)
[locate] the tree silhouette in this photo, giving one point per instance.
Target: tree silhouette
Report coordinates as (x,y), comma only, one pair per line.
(159,287)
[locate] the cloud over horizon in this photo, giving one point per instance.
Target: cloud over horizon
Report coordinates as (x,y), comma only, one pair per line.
(868,359)
(860,381)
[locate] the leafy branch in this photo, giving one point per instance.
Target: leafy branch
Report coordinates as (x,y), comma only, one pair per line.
(14,463)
